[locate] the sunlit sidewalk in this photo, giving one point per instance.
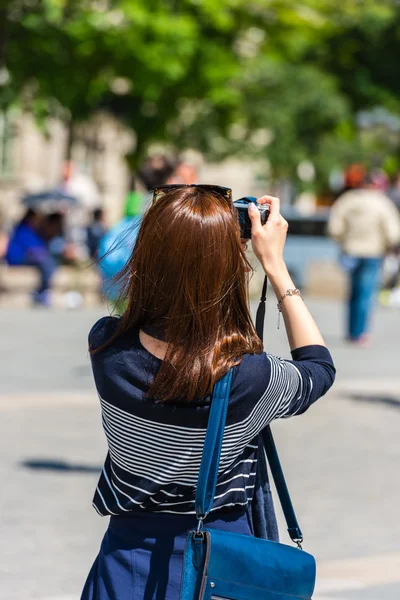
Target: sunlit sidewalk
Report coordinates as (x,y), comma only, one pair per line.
(367,578)
(340,459)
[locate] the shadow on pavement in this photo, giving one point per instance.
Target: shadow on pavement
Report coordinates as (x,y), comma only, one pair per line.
(393,401)
(59,465)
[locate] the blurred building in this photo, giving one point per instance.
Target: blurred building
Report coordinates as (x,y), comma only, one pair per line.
(32,159)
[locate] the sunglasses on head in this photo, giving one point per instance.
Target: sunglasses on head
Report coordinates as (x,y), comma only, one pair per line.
(219,190)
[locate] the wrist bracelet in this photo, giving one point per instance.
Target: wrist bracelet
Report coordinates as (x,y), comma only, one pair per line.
(289,292)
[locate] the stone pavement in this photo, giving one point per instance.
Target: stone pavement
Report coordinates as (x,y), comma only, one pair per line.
(341,458)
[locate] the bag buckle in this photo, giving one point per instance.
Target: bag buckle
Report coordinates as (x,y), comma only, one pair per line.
(296,536)
(298,543)
(199,533)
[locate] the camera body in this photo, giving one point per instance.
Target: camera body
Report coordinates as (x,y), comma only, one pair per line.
(242,206)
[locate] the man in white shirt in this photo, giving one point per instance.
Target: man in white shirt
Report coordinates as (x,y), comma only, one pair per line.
(366,224)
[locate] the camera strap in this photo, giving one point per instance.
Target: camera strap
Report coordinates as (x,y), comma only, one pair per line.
(270,448)
(260,316)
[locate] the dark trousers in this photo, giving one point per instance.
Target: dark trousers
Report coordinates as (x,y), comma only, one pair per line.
(364,283)
(141,556)
(46,265)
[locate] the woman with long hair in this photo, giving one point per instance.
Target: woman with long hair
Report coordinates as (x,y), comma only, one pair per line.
(187,322)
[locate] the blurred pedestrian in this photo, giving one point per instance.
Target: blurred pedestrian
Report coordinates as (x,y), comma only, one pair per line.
(390,294)
(3,236)
(379,180)
(157,170)
(366,224)
(28,246)
(116,246)
(185,173)
(394,191)
(354,177)
(80,185)
(95,231)
(52,230)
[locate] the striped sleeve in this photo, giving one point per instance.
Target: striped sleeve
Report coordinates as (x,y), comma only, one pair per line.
(317,375)
(278,388)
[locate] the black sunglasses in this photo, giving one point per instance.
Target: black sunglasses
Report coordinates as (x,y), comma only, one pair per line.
(225,192)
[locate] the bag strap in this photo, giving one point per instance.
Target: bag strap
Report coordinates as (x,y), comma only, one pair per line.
(292,524)
(208,474)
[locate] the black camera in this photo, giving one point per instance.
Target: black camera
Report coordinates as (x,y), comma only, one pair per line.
(242,206)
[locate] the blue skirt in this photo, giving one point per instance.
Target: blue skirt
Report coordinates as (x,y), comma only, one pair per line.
(141,556)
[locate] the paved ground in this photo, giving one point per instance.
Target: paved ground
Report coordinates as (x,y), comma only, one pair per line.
(341,459)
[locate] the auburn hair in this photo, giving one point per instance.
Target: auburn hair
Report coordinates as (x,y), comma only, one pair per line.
(188,278)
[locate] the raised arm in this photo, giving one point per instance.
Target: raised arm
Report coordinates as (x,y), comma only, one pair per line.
(268,242)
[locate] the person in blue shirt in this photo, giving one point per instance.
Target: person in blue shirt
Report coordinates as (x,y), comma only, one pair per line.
(28,247)
(116,245)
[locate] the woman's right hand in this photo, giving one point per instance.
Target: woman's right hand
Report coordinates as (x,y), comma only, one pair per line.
(268,240)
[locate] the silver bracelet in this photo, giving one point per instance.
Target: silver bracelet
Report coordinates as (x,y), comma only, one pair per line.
(289,292)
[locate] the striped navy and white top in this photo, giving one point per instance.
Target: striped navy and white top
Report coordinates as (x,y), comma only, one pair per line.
(155,448)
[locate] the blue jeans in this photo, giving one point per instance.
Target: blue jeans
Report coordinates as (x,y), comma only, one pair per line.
(364,282)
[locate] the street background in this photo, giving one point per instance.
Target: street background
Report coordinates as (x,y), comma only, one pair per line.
(341,458)
(102,101)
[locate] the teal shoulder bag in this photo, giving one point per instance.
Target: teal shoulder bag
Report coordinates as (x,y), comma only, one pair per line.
(219,565)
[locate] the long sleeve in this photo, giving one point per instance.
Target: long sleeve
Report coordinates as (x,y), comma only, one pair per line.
(390,223)
(317,375)
(336,224)
(268,387)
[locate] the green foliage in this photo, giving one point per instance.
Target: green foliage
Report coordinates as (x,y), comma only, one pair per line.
(275,78)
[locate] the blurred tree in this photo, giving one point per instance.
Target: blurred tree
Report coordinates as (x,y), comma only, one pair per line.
(354,46)
(269,77)
(135,59)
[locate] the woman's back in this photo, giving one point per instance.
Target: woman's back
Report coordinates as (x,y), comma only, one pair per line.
(155,448)
(186,324)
